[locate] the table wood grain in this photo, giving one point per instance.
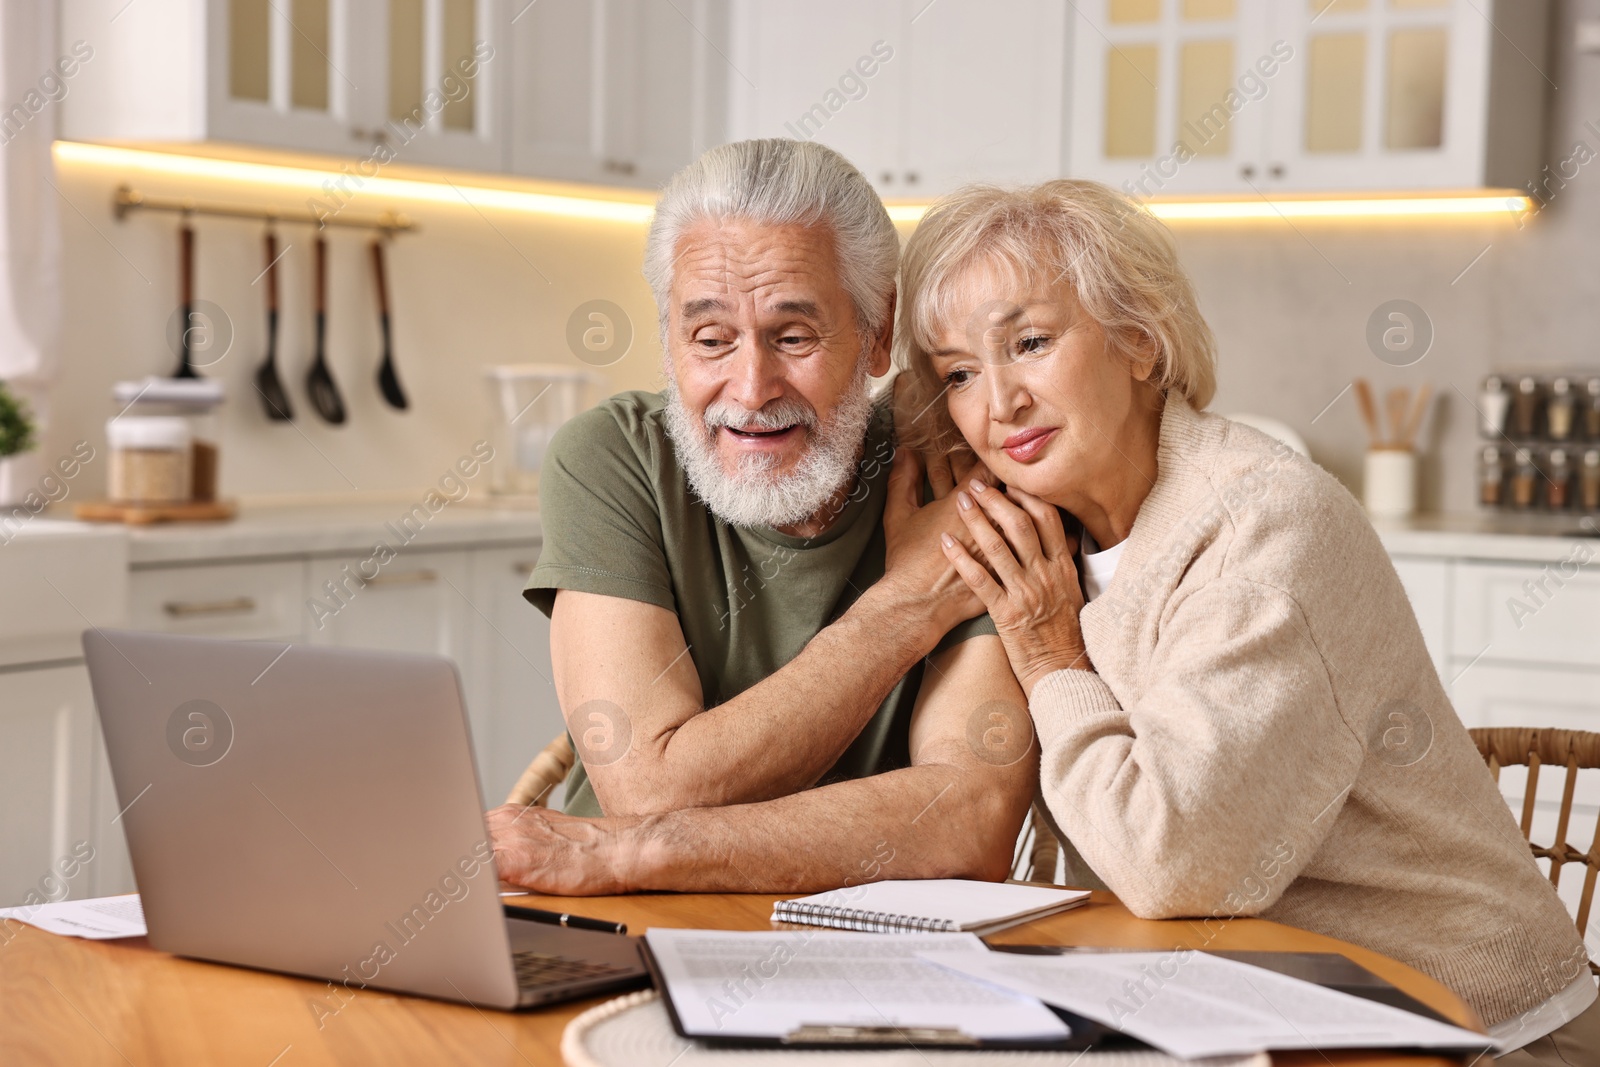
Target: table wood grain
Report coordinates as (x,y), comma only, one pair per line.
(69,1001)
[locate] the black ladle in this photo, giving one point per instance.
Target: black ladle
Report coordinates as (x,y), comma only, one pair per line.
(186,294)
(319,380)
(274,397)
(388,378)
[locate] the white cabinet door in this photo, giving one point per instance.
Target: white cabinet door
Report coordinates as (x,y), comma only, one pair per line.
(446,70)
(832,71)
(416,602)
(622,92)
(1528,613)
(1169,96)
(1427,584)
(511,695)
(985,93)
(301,74)
(47,783)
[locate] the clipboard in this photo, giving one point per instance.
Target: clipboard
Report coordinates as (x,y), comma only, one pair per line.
(1084,1032)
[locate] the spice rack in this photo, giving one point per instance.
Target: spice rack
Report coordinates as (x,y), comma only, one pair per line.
(1541,448)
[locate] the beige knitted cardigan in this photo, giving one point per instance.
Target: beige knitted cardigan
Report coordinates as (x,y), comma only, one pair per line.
(1263,733)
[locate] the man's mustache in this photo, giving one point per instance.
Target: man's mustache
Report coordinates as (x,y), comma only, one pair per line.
(774,415)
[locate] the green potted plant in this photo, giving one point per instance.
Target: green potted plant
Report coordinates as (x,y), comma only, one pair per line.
(18,435)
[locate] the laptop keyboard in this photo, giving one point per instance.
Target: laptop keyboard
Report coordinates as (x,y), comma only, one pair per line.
(537,969)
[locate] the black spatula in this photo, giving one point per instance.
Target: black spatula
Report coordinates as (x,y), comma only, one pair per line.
(186,294)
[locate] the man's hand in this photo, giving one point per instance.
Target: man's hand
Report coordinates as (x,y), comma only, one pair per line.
(544,851)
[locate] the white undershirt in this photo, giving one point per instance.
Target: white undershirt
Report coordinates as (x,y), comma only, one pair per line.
(1548,1017)
(1097,566)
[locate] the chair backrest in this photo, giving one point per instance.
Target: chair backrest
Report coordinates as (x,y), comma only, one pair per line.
(1575,750)
(548,770)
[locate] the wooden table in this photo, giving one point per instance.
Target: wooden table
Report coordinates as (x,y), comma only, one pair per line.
(68,1001)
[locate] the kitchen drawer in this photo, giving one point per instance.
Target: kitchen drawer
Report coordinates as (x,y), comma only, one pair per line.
(237,600)
(1493,694)
(1500,616)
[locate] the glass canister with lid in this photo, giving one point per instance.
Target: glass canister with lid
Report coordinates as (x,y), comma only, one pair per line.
(155,408)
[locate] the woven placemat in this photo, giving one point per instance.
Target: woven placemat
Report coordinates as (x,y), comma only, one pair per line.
(634,1031)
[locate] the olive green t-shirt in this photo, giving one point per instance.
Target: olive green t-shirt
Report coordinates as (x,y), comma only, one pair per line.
(620,520)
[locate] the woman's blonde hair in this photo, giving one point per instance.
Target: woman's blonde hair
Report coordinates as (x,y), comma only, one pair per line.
(1119,261)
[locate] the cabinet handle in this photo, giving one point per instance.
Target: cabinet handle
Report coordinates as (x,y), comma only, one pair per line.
(1248,170)
(1277,170)
(911,177)
(403,578)
(522,570)
(619,166)
(888,178)
(187,609)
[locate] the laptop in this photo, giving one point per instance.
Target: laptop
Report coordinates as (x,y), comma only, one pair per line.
(315,811)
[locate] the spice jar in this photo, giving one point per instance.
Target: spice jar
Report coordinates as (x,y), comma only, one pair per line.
(1491,478)
(1525,406)
(1591,409)
(149,459)
(1561,410)
(1524,480)
(1494,403)
(1558,474)
(1589,481)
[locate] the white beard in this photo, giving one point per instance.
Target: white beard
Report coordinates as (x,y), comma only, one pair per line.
(755,494)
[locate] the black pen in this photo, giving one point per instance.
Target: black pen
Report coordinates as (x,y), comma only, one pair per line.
(561,918)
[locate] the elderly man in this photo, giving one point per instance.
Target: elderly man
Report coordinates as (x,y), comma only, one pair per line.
(766,693)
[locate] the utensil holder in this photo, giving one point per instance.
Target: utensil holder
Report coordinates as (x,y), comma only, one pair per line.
(1389,488)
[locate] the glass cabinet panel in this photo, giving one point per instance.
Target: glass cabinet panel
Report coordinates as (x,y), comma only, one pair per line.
(1335,82)
(1206,75)
(1414,96)
(308,54)
(1337,7)
(1208,10)
(405,58)
(248,67)
(1131,73)
(460,26)
(1126,11)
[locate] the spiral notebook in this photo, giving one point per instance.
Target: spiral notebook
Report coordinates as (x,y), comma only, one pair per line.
(934,905)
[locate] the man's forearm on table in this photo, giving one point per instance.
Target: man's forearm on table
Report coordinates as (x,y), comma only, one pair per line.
(928,821)
(783,734)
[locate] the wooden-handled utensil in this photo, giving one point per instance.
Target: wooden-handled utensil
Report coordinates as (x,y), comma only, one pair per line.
(1397,402)
(1369,412)
(388,377)
(319,379)
(186,296)
(274,397)
(1419,408)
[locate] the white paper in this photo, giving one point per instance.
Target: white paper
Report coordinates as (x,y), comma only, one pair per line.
(1190,1004)
(753,984)
(98,919)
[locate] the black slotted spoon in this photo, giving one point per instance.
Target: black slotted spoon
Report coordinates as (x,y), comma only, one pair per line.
(274,397)
(320,385)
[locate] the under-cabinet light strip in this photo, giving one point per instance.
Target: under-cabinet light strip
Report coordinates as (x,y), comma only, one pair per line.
(315,182)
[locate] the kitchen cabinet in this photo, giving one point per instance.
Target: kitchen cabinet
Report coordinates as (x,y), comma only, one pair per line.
(921,97)
(619,92)
(47,783)
(1252,96)
(414,603)
(511,689)
(1427,585)
(418,81)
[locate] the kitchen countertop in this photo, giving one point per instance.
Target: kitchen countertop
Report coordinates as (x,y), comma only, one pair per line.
(1481,535)
(330,528)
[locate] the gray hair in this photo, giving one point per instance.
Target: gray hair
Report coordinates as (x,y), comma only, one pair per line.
(780,182)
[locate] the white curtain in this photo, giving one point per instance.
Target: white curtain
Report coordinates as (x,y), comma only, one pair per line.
(30,236)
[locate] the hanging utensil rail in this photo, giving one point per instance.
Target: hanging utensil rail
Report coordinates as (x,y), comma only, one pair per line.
(127,199)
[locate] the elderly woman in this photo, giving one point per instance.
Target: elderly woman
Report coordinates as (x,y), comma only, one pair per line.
(1235,709)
